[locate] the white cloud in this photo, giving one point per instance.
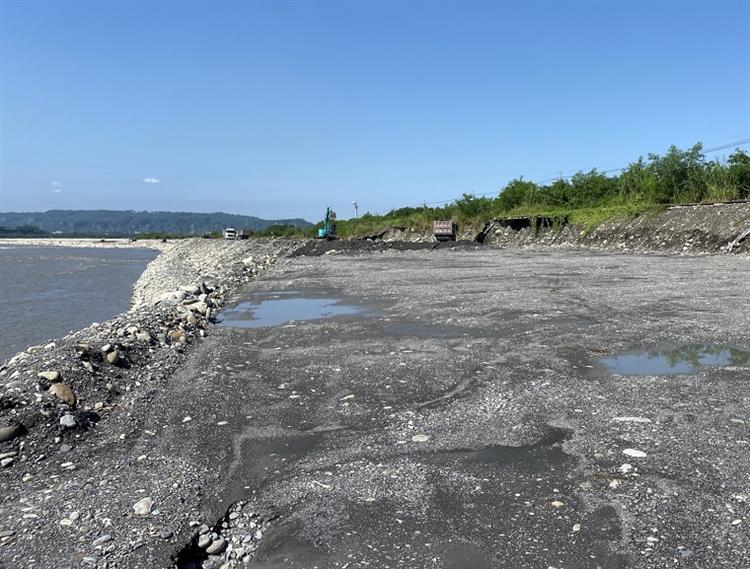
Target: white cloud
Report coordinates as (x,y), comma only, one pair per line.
(151,180)
(56,186)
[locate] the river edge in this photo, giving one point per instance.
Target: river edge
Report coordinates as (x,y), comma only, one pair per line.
(73,398)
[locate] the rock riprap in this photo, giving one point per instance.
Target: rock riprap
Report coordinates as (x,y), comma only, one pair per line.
(74,398)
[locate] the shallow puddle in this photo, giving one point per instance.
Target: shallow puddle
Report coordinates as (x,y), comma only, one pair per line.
(278,311)
(422,330)
(684,360)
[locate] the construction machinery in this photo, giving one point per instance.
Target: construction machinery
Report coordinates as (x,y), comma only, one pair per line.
(328,231)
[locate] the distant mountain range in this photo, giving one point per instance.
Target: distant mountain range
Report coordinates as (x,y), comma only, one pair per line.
(110,222)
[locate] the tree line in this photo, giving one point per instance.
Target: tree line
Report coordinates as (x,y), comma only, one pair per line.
(678,176)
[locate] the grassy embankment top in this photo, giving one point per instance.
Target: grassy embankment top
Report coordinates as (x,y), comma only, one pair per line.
(587,198)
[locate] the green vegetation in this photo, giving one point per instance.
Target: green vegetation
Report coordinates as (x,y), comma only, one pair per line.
(135,223)
(158,235)
(587,198)
(21,231)
(277,230)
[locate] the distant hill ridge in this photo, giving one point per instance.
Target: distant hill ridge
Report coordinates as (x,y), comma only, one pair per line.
(112,222)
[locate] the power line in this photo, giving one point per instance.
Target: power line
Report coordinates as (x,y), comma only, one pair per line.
(736,143)
(729,145)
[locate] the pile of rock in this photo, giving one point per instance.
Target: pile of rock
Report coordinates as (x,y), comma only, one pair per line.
(94,366)
(190,260)
(232,542)
(71,400)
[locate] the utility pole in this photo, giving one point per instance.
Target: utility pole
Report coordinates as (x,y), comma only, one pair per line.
(356,209)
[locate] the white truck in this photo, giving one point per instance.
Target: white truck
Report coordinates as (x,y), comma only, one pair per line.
(230,233)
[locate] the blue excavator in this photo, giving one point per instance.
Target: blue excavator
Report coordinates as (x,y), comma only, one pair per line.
(328,231)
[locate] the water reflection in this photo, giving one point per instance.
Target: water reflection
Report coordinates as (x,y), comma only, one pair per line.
(275,312)
(682,360)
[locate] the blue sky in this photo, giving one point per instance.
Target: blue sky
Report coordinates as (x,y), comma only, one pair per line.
(278,109)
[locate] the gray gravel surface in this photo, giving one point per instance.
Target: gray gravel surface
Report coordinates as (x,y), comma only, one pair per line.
(462,420)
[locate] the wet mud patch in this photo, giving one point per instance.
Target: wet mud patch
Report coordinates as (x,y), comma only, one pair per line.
(240,529)
(264,459)
(422,330)
(260,460)
(498,506)
(684,360)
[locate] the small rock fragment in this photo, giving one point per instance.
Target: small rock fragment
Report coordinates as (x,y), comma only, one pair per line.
(143,507)
(11,432)
(177,336)
(217,546)
(113,357)
(103,539)
(50,375)
(68,421)
(635,453)
(64,393)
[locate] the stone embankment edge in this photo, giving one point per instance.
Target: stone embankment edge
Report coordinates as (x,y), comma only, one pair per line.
(59,392)
(67,383)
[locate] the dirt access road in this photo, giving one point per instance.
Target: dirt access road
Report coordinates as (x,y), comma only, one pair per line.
(464,418)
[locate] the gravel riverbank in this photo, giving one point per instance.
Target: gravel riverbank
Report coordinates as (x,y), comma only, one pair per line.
(66,407)
(157,439)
